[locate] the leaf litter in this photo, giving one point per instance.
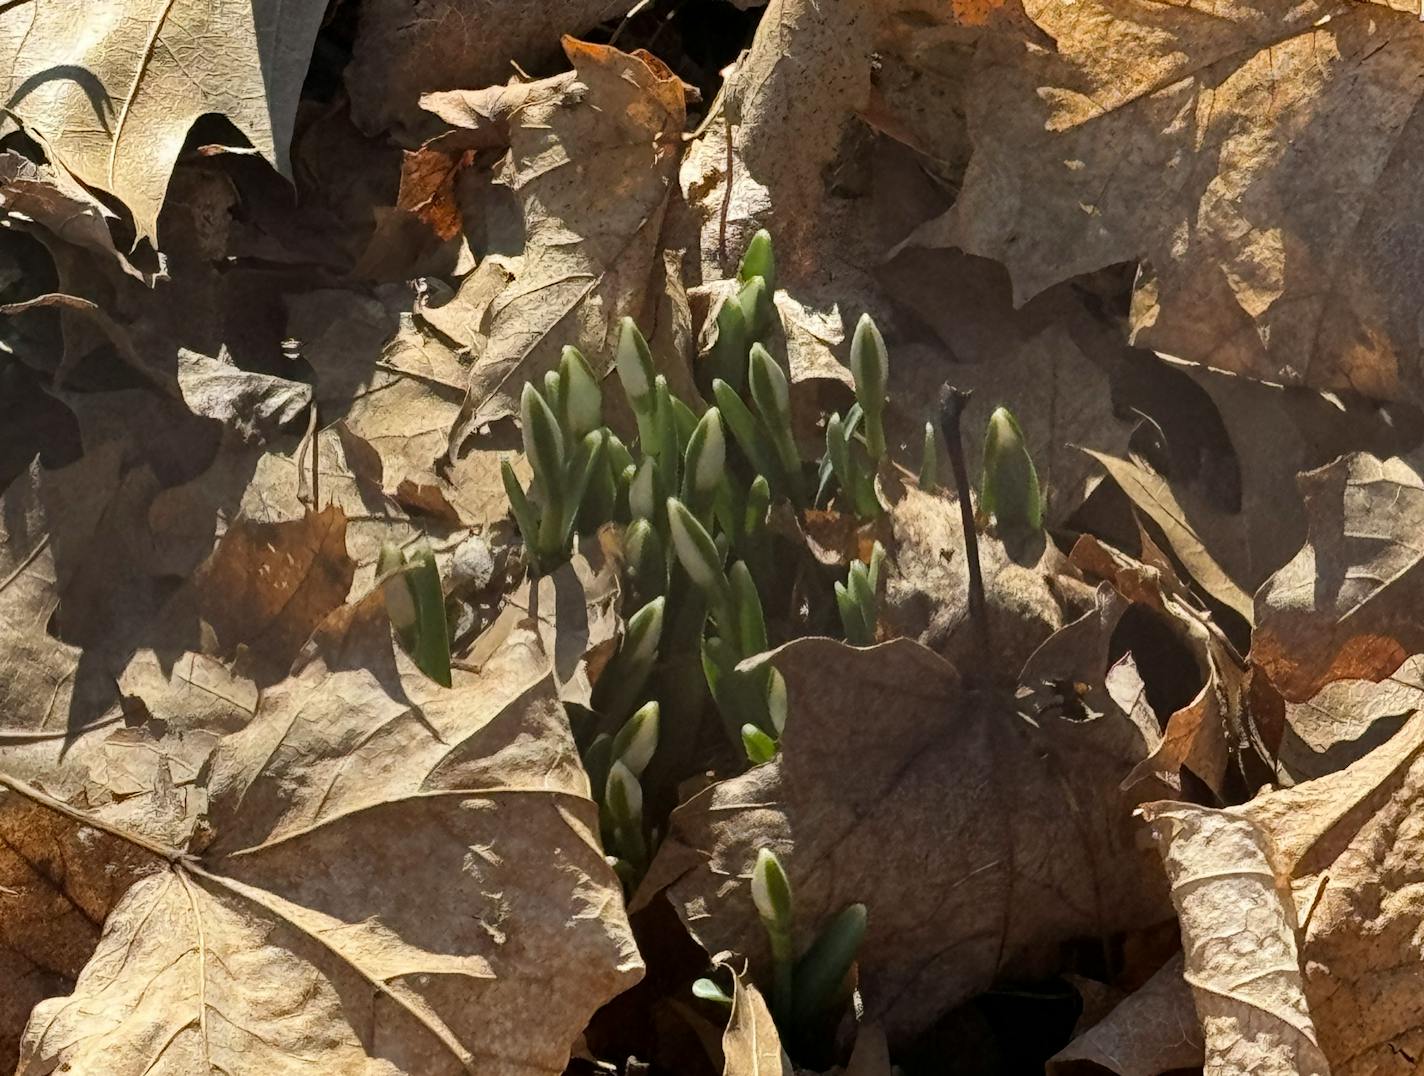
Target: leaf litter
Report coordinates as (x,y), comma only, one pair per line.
(272,289)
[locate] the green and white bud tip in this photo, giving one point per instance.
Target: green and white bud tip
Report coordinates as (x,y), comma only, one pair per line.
(623,795)
(771,890)
(694,547)
(769,385)
(637,740)
(707,453)
(1009,490)
(869,364)
(584,399)
(644,632)
(642,495)
(759,260)
(543,440)
(634,361)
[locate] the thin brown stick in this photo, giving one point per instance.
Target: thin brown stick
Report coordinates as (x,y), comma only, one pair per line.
(952,402)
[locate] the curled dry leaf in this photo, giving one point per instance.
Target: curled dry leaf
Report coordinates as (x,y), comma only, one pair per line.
(1207,733)
(1346,720)
(53,201)
(396,58)
(592,159)
(1244,154)
(979,838)
(1346,607)
(1153,1030)
(751,1045)
(806,72)
(254,405)
(392,871)
(1319,875)
(112,106)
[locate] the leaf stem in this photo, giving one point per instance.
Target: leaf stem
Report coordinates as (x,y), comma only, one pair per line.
(952,402)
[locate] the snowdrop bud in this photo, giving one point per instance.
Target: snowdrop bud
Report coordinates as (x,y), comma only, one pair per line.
(758,745)
(400,606)
(623,796)
(771,890)
(638,739)
(635,363)
(643,634)
(543,440)
(759,260)
(869,364)
(1009,490)
(706,460)
(769,388)
(583,397)
(695,548)
(641,492)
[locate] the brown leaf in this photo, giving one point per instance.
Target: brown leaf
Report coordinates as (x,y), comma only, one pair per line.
(254,405)
(592,155)
(59,205)
(1160,136)
(458,862)
(1239,935)
(265,589)
(453,43)
(1346,606)
(751,1045)
(113,105)
(1154,1030)
(1033,842)
(807,71)
(1346,720)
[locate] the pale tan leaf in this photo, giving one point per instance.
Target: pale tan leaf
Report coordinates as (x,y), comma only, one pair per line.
(1346,720)
(113,105)
(254,405)
(1153,1030)
(592,157)
(454,43)
(1154,495)
(1239,936)
(807,71)
(394,870)
(1033,840)
(1245,153)
(1346,607)
(751,1045)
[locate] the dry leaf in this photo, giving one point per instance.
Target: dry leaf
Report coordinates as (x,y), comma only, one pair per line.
(1346,720)
(1346,607)
(751,1045)
(1243,153)
(469,810)
(1153,1030)
(59,205)
(253,405)
(592,158)
(452,43)
(1032,841)
(807,71)
(113,105)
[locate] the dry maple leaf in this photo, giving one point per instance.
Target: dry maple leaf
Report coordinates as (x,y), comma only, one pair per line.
(751,1045)
(112,105)
(1319,878)
(392,871)
(807,71)
(1246,153)
(978,838)
(592,158)
(1346,607)
(1153,1030)
(401,53)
